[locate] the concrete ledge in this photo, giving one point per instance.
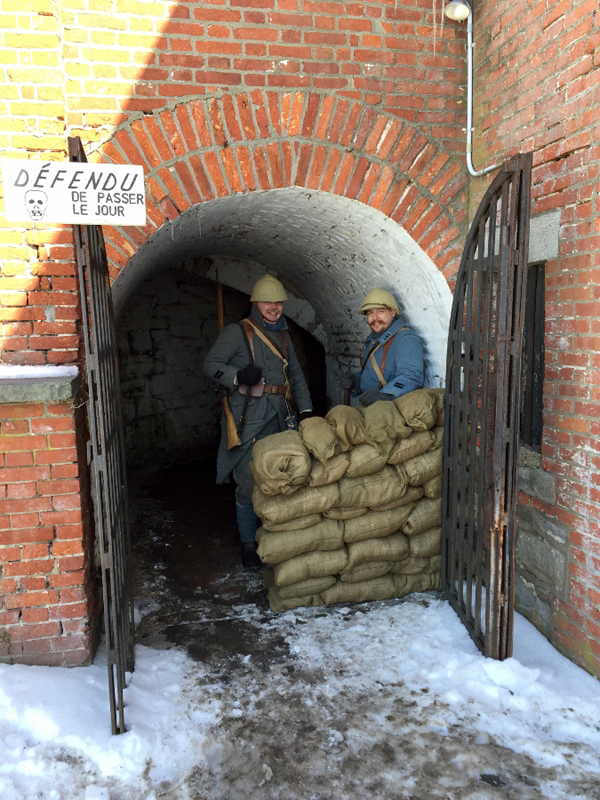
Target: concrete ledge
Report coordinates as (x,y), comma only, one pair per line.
(38,386)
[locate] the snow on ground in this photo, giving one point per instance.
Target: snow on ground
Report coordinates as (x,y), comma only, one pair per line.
(15,372)
(382,700)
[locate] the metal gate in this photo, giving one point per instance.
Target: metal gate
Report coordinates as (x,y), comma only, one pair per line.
(483,404)
(106,454)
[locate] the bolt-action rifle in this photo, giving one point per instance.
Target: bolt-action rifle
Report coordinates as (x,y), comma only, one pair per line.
(233,440)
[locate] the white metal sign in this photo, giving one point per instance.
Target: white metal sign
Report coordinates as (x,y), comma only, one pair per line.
(83,194)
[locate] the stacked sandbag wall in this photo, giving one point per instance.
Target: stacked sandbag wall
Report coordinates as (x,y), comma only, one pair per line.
(351,504)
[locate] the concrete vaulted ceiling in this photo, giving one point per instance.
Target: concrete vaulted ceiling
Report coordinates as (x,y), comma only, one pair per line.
(328,250)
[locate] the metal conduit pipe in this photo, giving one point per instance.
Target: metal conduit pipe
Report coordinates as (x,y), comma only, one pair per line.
(459,10)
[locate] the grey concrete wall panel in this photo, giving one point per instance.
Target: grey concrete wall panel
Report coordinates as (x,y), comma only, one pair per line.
(38,390)
(533,605)
(538,483)
(544,231)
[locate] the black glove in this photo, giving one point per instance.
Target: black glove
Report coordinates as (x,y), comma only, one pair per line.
(347,380)
(372,396)
(306,415)
(249,376)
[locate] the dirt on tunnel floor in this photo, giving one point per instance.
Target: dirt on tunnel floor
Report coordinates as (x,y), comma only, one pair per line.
(306,721)
(187,560)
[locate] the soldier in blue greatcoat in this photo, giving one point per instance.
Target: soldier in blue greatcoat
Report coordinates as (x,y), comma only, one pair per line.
(255,360)
(392,357)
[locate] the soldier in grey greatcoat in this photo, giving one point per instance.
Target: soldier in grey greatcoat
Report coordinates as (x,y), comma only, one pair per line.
(255,360)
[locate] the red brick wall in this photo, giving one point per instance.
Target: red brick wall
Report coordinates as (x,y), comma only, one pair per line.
(47,604)
(39,314)
(354,64)
(537,87)
(200,150)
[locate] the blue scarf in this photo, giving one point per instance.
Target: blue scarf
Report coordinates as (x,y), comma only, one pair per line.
(274,326)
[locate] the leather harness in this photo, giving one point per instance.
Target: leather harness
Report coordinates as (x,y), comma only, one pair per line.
(249,328)
(371,357)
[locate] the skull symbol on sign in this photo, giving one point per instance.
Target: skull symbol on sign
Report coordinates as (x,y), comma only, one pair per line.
(35,203)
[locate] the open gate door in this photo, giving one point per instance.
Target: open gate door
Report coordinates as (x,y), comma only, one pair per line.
(483,404)
(106,454)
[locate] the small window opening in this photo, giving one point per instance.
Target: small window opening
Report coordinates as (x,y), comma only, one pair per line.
(533,358)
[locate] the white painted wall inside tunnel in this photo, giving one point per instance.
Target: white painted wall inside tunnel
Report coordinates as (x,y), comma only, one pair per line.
(243,274)
(330,251)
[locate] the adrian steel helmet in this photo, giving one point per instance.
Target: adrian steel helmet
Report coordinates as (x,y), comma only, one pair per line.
(268,290)
(379,298)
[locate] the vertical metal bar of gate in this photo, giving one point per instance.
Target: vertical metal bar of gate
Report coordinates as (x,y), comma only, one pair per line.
(106,455)
(483,404)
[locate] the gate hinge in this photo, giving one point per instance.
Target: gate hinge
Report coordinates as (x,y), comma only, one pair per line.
(90,451)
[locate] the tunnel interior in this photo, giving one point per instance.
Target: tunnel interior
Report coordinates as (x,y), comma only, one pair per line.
(171,411)
(328,252)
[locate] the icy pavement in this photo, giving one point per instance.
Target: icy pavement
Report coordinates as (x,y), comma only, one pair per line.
(381,700)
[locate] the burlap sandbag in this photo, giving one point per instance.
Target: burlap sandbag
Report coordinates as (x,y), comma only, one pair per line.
(376,524)
(366,571)
(365,459)
(323,473)
(307,500)
(435,564)
(349,426)
(422,468)
(297,524)
(419,442)
(310,565)
(310,587)
(280,463)
(405,584)
(438,399)
(378,489)
(426,544)
(413,493)
(384,423)
(273,548)
(345,513)
(418,409)
(382,588)
(411,566)
(433,488)
(320,438)
(387,548)
(438,437)
(426,514)
(278,604)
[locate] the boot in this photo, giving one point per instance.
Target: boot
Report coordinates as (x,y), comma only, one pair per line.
(250,557)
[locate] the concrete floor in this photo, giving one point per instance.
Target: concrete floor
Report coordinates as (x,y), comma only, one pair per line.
(188,574)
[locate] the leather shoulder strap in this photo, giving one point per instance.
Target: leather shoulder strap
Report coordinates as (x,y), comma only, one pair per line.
(380,370)
(272,345)
(248,336)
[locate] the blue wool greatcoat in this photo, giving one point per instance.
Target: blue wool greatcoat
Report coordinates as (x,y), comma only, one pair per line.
(403,363)
(264,415)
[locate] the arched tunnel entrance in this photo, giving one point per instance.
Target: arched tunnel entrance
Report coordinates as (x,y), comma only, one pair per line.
(329,252)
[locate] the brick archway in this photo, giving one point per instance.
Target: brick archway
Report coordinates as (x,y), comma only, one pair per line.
(206,148)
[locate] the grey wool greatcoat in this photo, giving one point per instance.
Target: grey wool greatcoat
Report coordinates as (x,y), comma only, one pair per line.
(264,415)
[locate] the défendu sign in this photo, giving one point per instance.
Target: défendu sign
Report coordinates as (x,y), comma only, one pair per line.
(84,194)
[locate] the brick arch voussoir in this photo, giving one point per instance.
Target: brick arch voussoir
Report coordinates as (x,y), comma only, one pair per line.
(212,147)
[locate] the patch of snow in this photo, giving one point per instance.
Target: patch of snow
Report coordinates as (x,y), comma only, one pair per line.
(13,372)
(394,691)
